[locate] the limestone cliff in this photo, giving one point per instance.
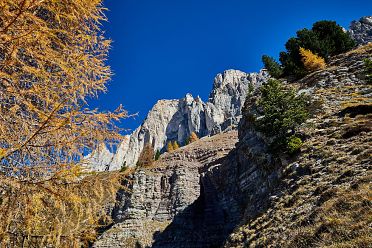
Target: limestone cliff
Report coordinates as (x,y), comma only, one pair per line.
(213,193)
(361,30)
(230,190)
(171,120)
(169,193)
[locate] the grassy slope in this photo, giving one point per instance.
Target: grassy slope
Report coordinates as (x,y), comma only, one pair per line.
(325,197)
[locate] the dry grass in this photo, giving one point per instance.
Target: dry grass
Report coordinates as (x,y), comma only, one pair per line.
(342,221)
(329,205)
(362,49)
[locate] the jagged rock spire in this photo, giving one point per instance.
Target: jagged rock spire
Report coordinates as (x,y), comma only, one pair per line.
(175,120)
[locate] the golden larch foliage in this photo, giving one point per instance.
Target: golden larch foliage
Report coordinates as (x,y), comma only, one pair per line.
(170,147)
(312,62)
(147,156)
(193,137)
(52,60)
(175,145)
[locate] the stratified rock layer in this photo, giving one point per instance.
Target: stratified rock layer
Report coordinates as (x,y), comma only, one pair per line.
(214,193)
(169,194)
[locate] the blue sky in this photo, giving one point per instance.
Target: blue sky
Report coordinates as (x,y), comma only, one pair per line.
(163,49)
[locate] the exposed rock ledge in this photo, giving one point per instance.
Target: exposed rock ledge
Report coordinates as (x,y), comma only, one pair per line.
(170,192)
(210,194)
(361,30)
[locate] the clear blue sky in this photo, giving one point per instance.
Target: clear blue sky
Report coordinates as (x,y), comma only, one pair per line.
(163,49)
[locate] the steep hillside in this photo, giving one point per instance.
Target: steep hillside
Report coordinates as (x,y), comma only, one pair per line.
(168,195)
(321,197)
(214,194)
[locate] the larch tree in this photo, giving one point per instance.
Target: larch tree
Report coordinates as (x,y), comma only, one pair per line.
(147,156)
(170,147)
(175,145)
(311,61)
(52,60)
(192,138)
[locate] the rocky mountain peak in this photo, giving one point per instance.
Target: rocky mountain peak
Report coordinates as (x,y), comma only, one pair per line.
(175,120)
(232,190)
(229,190)
(361,30)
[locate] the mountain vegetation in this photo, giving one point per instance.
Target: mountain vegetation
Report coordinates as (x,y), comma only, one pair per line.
(281,111)
(147,156)
(311,61)
(296,173)
(368,70)
(172,146)
(157,154)
(274,68)
(52,59)
(175,145)
(192,138)
(324,40)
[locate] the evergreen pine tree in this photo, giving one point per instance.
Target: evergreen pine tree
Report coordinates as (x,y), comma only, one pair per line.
(274,68)
(157,154)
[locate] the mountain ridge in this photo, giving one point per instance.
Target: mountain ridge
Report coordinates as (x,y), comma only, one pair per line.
(179,117)
(230,190)
(176,119)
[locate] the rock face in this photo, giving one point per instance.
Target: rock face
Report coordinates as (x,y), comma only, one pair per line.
(289,199)
(175,120)
(100,159)
(215,193)
(229,190)
(167,192)
(361,30)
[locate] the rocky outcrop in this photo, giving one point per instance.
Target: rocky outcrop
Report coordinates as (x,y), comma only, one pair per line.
(175,120)
(361,30)
(289,198)
(215,193)
(171,120)
(167,195)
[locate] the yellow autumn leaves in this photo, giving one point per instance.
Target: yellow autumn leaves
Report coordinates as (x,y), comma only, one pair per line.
(171,146)
(52,60)
(312,62)
(2,153)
